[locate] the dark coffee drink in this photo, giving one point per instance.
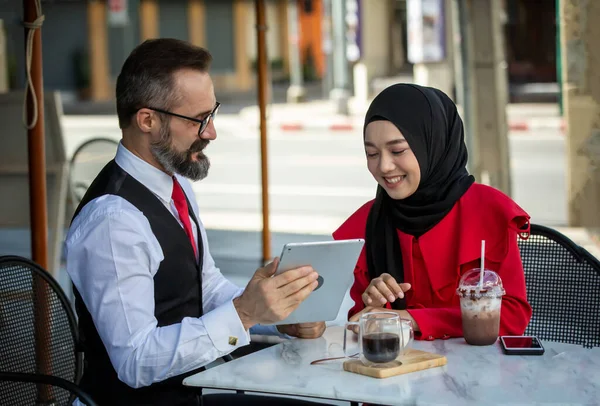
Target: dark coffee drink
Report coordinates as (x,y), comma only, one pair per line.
(381,347)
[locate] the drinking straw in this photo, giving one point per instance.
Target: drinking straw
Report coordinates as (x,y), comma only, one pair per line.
(482,264)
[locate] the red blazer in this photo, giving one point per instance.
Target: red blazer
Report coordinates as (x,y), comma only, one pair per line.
(434,262)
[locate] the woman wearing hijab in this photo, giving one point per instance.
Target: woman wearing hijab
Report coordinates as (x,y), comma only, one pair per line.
(424,228)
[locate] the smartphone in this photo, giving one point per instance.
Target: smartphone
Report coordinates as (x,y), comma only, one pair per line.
(521,345)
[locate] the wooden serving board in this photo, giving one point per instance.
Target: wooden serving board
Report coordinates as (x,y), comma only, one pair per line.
(412,361)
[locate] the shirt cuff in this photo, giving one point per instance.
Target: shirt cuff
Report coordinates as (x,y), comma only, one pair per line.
(225,328)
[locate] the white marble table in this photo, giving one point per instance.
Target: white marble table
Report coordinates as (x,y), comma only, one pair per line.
(565,374)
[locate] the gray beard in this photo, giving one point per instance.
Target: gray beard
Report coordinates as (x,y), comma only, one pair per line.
(181,163)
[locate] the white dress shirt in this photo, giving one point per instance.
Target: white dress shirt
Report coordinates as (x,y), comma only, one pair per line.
(112,256)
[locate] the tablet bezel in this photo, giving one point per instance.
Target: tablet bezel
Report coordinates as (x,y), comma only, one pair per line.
(335,262)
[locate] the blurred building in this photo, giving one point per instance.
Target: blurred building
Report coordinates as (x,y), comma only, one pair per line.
(531,40)
(86,42)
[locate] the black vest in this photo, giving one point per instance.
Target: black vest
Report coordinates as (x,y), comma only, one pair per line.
(177,294)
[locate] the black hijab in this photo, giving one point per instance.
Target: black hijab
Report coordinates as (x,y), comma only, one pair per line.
(429,121)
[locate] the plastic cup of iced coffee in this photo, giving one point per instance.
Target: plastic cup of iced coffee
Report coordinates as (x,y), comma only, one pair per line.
(480,304)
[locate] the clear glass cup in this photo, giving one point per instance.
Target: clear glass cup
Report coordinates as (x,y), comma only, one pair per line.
(383,337)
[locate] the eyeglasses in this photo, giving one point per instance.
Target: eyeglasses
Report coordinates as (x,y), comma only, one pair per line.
(203,123)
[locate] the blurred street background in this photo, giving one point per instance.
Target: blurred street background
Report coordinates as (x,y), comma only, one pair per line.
(531,107)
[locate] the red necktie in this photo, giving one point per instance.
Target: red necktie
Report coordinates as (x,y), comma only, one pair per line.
(182,208)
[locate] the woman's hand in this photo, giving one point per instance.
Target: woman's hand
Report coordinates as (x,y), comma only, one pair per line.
(382,290)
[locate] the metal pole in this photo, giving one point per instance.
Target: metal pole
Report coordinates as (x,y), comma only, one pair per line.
(559,60)
(36,145)
(296,91)
(327,48)
(465,91)
(37,183)
(261,29)
(340,93)
(457,48)
(489,97)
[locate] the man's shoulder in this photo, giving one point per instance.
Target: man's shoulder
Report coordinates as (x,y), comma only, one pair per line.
(103,208)
(111,228)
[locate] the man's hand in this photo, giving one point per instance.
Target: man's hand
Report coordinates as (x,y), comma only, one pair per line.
(303,330)
(269,298)
(384,289)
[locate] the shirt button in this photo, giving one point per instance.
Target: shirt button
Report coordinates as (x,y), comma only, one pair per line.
(430,338)
(233,340)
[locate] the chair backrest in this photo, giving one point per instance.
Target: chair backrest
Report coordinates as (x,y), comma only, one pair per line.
(563,288)
(38,330)
(87,161)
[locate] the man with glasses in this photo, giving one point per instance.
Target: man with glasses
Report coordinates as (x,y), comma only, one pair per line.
(152,306)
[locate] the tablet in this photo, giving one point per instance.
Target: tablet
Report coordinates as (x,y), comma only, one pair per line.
(334,261)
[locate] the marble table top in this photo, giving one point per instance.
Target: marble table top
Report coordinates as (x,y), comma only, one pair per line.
(566,373)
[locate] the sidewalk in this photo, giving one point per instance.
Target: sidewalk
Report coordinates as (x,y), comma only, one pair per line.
(317,112)
(319,115)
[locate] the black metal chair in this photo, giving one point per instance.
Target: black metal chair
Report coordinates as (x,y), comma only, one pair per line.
(563,288)
(40,358)
(40,361)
